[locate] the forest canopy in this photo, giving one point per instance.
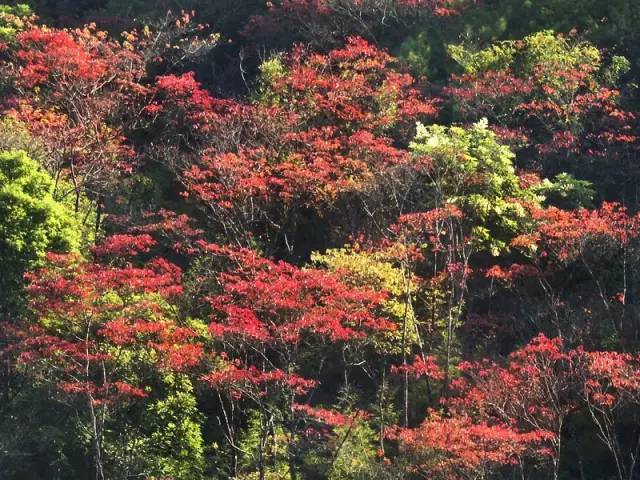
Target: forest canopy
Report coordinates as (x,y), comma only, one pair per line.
(319,239)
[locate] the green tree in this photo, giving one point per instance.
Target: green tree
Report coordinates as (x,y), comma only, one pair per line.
(473,171)
(612,25)
(32,223)
(12,21)
(176,445)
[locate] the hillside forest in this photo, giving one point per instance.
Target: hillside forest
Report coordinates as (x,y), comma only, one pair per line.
(320,239)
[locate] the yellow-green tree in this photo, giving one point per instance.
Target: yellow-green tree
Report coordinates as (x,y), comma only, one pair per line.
(32,222)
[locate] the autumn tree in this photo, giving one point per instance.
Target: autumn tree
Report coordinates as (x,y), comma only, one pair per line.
(338,115)
(106,340)
(281,252)
(266,315)
(553,97)
(611,392)
(581,242)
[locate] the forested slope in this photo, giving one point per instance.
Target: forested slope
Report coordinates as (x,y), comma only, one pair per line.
(319,239)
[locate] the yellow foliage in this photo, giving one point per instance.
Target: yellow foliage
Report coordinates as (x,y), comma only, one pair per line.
(374,270)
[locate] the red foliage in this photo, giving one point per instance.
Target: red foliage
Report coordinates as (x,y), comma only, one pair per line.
(105,312)
(74,91)
(179,101)
(612,378)
(56,56)
(320,165)
(124,245)
(253,383)
(534,392)
(487,93)
(559,111)
(354,84)
(515,271)
(565,234)
(324,128)
(427,224)
(329,417)
(460,448)
(501,414)
(421,367)
(274,302)
(268,309)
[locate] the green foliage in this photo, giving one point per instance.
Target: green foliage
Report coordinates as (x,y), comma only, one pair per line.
(349,451)
(618,66)
(495,57)
(613,24)
(32,222)
(540,55)
(15,136)
(567,192)
(175,445)
(166,440)
(20,10)
(421,50)
(355,452)
(471,170)
(554,52)
(48,438)
(604,21)
(12,20)
(270,71)
(263,440)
